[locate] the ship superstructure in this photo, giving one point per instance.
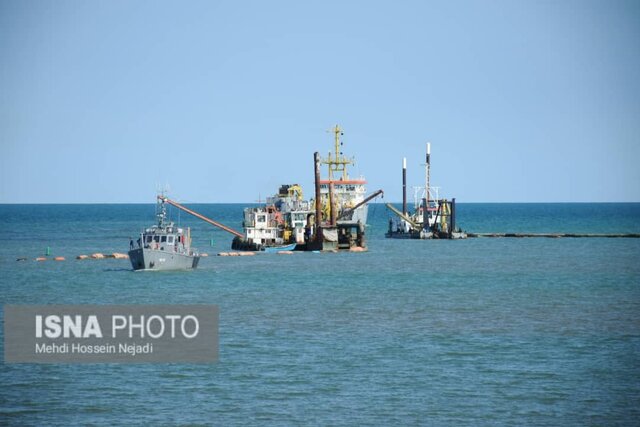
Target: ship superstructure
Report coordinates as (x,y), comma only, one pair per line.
(340,189)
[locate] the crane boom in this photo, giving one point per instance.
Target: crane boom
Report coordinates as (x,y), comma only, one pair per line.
(347,212)
(202,217)
(403,216)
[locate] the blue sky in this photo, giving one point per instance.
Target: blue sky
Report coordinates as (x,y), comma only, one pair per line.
(523,101)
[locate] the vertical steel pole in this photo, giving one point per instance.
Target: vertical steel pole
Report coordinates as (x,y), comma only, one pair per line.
(316,161)
(404,186)
(332,206)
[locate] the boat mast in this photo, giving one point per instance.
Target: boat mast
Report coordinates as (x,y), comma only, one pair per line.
(338,163)
(161,212)
(427,187)
(404,186)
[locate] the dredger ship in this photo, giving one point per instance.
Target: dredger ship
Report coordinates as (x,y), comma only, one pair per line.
(335,219)
(341,213)
(433,217)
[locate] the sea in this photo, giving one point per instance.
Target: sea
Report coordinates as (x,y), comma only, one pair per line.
(475,332)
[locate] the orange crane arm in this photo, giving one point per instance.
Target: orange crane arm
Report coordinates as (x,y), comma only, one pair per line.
(202,217)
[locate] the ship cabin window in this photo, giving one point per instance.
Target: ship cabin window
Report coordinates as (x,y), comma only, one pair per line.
(156,238)
(163,239)
(149,239)
(351,188)
(262,218)
(170,240)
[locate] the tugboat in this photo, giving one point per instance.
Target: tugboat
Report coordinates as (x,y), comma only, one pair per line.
(163,246)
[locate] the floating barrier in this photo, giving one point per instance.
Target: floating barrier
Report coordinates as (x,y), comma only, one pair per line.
(357,249)
(285,252)
(236,253)
(117,255)
(204,255)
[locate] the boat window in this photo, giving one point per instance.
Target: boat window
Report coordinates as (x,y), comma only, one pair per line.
(149,239)
(163,239)
(170,240)
(262,218)
(156,238)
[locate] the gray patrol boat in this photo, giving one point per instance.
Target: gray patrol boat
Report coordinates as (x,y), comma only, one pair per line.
(163,246)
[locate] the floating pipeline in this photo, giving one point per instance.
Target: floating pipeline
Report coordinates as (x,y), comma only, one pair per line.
(353,249)
(236,253)
(556,235)
(115,255)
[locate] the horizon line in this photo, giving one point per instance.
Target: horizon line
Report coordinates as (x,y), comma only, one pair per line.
(260,203)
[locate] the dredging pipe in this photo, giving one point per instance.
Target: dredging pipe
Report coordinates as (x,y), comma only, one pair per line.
(199,216)
(403,216)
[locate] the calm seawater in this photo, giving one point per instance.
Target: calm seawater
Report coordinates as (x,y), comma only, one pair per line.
(530,331)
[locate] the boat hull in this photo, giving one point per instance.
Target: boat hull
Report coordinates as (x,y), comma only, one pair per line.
(157,260)
(276,249)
